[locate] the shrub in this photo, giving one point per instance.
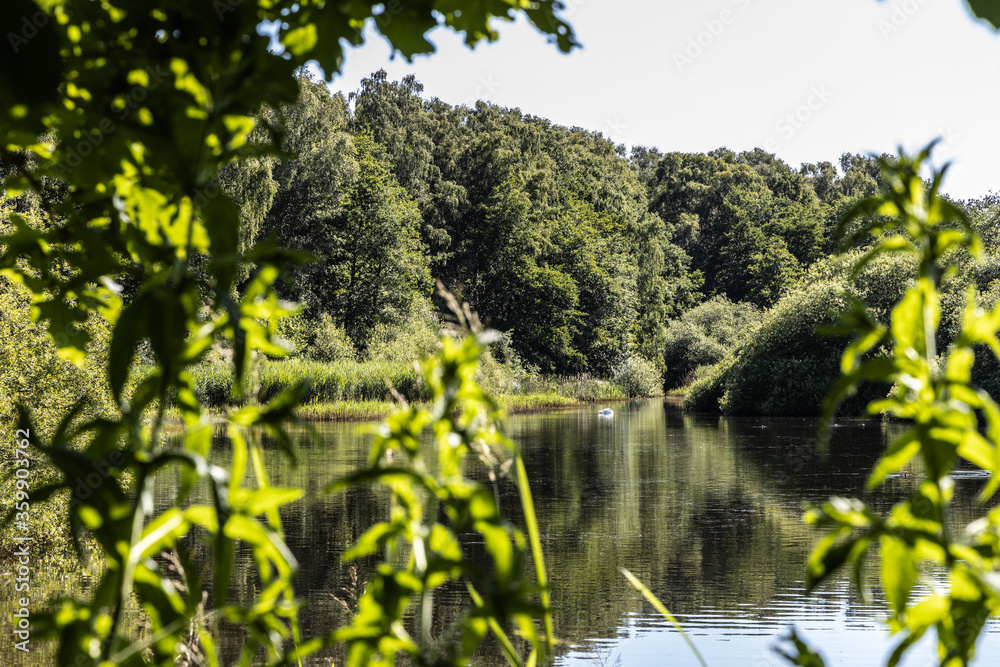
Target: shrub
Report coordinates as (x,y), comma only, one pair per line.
(708,387)
(330,342)
(213,383)
(786,367)
(33,375)
(298,331)
(639,377)
(413,339)
(705,335)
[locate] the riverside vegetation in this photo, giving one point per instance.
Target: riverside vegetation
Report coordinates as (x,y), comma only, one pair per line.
(186,236)
(141,238)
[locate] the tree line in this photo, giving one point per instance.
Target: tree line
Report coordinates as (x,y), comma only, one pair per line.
(584,252)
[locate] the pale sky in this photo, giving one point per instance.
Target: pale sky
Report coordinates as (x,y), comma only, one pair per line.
(806,79)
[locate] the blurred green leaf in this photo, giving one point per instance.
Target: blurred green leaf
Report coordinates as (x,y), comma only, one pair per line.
(986,9)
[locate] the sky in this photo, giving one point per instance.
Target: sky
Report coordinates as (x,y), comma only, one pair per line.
(807,80)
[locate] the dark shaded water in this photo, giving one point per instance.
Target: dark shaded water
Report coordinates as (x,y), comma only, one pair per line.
(705,510)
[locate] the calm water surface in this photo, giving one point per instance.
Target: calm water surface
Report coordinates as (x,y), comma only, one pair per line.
(705,510)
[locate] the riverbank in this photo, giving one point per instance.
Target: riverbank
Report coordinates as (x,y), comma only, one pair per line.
(360,391)
(364,411)
(333,411)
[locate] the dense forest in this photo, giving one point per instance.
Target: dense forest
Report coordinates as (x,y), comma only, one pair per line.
(707,272)
(583,253)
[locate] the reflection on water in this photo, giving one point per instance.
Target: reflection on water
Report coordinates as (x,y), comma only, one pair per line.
(705,510)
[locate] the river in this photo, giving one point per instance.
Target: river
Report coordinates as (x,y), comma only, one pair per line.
(706,510)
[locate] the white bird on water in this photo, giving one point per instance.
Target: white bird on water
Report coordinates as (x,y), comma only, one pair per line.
(606,412)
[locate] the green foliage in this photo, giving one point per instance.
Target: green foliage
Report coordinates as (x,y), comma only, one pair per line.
(639,378)
(415,338)
(433,504)
(134,110)
(335,199)
(786,367)
(704,335)
(32,375)
(543,230)
(706,392)
(342,380)
(935,395)
(986,10)
(750,223)
(788,364)
(330,342)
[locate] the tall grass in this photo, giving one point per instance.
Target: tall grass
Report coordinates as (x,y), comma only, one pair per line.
(333,381)
(346,390)
(580,388)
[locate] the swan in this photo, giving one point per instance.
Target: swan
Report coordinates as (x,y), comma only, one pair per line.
(606,412)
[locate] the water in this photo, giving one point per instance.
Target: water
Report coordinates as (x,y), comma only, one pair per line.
(705,510)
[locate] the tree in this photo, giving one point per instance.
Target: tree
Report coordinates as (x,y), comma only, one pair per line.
(135,109)
(374,266)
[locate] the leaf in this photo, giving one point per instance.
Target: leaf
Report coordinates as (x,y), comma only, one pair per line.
(903,448)
(508,648)
(262,501)
(130,329)
(878,369)
(804,654)
(908,317)
(373,540)
(899,572)
(976,449)
(384,475)
(829,556)
(988,10)
(534,536)
(886,246)
(897,653)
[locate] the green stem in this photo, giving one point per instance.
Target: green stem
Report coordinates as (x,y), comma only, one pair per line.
(531,524)
(274,520)
(128,567)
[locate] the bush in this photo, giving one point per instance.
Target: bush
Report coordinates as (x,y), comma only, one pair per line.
(639,377)
(298,331)
(705,335)
(786,367)
(213,383)
(330,342)
(706,391)
(501,370)
(33,375)
(408,341)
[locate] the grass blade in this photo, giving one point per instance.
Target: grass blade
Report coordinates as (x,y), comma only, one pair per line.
(531,524)
(662,608)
